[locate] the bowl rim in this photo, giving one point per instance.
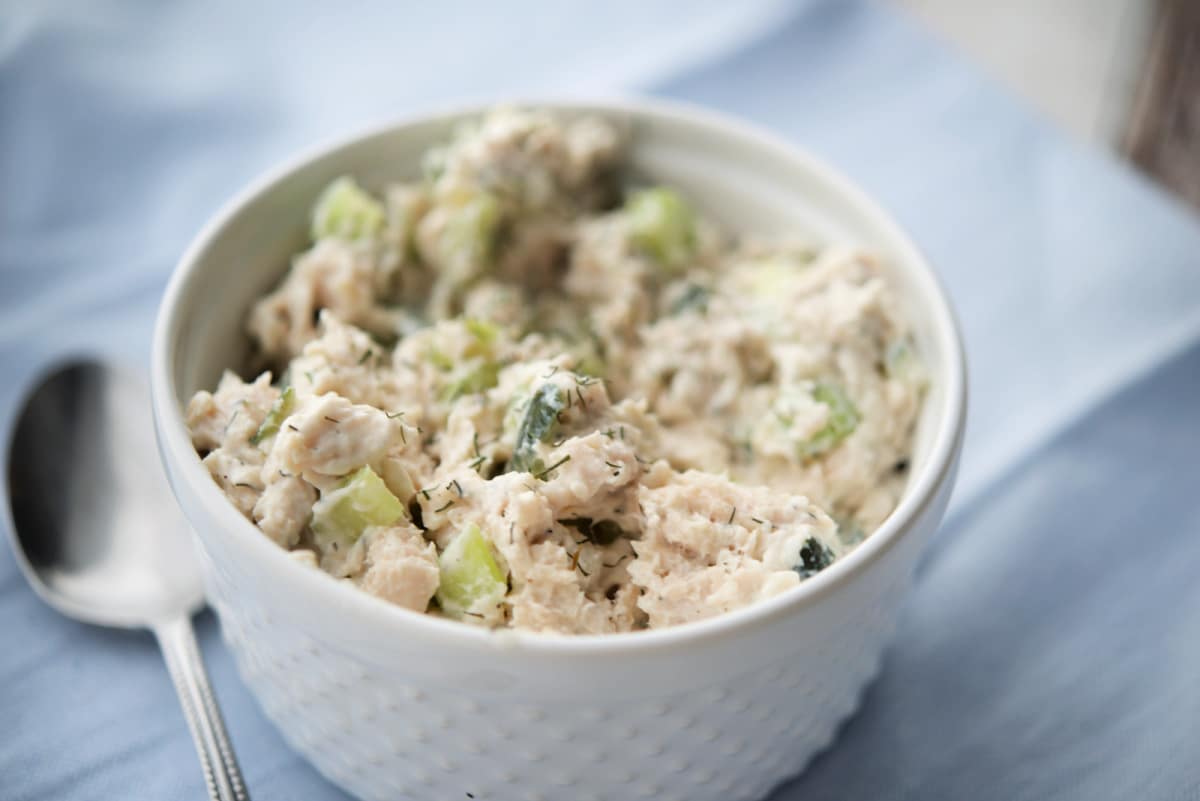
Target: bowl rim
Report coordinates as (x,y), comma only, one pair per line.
(175,442)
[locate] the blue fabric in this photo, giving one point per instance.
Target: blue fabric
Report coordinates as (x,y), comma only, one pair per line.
(1051,647)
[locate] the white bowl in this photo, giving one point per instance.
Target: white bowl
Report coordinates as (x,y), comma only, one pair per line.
(391,704)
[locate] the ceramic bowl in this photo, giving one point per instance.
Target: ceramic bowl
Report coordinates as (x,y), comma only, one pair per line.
(391,704)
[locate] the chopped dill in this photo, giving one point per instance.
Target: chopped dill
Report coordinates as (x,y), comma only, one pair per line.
(731,515)
(444,506)
(457,487)
(543,413)
(814,557)
(331,419)
(542,475)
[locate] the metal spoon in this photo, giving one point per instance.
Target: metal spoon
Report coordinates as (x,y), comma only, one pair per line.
(97,533)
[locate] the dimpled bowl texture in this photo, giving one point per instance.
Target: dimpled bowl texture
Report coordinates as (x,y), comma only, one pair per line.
(390,704)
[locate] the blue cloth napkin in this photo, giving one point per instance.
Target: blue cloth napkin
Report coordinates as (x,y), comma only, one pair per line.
(1051,648)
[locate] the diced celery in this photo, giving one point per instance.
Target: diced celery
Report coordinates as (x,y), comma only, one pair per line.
(842,420)
(344,210)
(471,380)
(471,580)
(588,361)
(279,412)
(538,425)
(362,501)
(439,359)
(662,225)
(470,237)
(483,337)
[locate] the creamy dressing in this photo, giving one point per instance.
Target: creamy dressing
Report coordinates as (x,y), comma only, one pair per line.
(647,421)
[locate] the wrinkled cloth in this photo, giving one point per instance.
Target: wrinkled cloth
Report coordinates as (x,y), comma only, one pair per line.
(1051,645)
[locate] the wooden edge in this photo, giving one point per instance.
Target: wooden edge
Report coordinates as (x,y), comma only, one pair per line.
(1163,135)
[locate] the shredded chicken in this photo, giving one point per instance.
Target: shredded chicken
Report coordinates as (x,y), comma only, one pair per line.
(513,395)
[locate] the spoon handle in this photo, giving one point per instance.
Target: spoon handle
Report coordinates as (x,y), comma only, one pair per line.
(221,772)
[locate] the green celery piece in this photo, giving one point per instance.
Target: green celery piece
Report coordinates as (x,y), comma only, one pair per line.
(344,210)
(470,578)
(475,379)
(843,419)
(279,412)
(663,226)
(361,501)
(538,425)
(589,362)
(470,236)
(439,360)
(484,331)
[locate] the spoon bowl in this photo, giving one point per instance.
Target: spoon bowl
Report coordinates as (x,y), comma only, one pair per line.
(99,537)
(97,532)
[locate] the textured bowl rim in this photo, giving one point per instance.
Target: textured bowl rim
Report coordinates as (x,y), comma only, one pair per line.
(175,441)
